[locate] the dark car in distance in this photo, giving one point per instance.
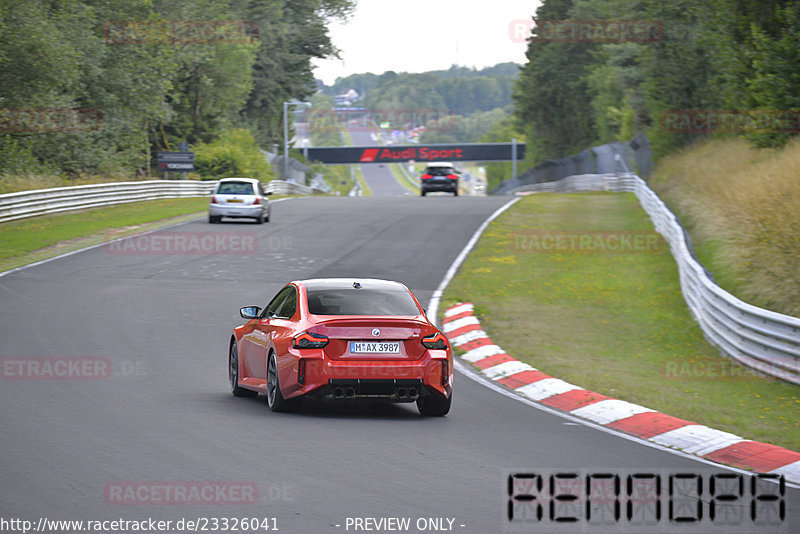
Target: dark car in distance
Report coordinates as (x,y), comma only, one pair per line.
(439,176)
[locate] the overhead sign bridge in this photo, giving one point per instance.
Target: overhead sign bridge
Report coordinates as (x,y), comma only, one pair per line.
(404,153)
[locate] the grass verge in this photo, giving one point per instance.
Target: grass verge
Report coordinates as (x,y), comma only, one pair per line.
(612,322)
(402,179)
(29,240)
(365,189)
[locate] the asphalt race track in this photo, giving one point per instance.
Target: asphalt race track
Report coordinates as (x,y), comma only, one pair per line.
(165,415)
(379,178)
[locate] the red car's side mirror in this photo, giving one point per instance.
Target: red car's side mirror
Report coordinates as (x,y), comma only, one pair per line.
(249,312)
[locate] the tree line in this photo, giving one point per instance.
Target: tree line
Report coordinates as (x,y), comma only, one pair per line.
(458,90)
(143,75)
(711,67)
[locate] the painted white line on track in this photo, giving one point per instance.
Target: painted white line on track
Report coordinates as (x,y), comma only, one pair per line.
(792,470)
(466,371)
(433,306)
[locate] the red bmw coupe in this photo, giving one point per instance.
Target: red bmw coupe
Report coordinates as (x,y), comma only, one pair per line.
(342,339)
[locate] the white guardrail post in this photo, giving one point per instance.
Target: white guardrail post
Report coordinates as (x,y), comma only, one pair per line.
(24,204)
(766,341)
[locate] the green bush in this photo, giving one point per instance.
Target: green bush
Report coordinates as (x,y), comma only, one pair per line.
(234,154)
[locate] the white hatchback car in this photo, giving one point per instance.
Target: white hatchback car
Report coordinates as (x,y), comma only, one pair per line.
(239,198)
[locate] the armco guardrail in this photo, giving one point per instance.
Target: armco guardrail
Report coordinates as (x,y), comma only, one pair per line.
(635,156)
(42,201)
(764,340)
(280,187)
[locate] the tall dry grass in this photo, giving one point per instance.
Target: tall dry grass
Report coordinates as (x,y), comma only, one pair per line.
(743,205)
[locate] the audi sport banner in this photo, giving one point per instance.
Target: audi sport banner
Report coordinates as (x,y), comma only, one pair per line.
(401,154)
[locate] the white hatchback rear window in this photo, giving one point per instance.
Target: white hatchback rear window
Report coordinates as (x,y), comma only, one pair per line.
(235,188)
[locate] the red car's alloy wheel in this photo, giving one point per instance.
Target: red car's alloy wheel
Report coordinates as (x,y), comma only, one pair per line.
(234,374)
(275,399)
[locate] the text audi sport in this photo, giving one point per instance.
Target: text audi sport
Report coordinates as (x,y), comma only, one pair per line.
(341,338)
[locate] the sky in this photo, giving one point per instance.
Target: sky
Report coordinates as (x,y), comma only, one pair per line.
(423,35)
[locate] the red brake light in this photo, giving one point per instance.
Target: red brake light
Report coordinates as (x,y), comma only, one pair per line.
(453,176)
(436,341)
(309,340)
(213,199)
(257,201)
(426,176)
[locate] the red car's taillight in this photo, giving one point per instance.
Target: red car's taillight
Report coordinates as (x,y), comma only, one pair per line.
(435,341)
(426,176)
(257,201)
(309,340)
(301,371)
(213,199)
(453,176)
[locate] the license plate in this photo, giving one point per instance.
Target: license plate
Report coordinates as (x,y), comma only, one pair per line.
(235,201)
(374,347)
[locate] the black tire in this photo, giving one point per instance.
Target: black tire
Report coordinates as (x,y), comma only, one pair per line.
(422,193)
(214,219)
(455,193)
(434,405)
(233,374)
(266,219)
(275,399)
(260,219)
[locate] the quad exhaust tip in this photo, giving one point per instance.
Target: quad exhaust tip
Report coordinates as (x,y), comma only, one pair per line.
(340,392)
(403,392)
(349,392)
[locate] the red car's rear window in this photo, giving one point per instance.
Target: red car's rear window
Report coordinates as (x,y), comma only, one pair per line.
(362,301)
